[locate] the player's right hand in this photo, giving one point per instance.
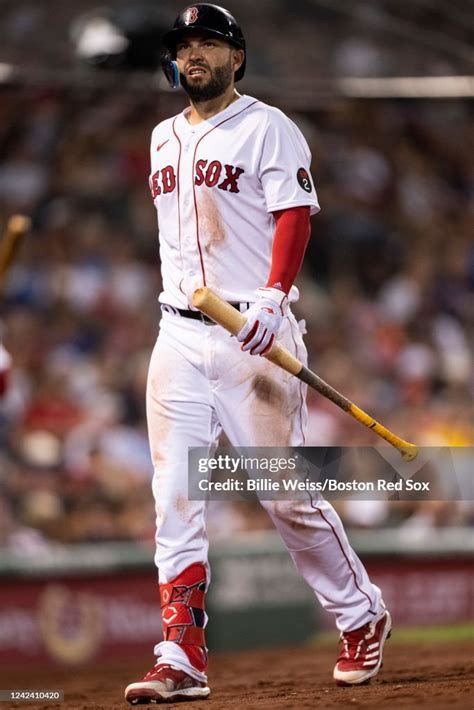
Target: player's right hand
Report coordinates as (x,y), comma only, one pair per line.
(263,322)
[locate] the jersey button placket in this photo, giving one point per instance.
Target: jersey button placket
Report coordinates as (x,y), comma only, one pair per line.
(190,256)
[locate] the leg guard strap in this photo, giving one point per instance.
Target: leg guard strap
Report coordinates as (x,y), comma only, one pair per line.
(182,608)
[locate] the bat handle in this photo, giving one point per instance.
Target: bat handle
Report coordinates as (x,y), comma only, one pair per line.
(232,320)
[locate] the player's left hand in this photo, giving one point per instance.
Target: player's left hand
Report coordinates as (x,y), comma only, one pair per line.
(263,322)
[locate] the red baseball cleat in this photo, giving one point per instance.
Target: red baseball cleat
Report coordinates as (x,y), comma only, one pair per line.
(165,684)
(361,652)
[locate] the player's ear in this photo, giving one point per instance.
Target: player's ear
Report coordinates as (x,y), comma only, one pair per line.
(237,58)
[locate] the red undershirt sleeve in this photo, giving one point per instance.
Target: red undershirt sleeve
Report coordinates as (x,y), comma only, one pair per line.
(290,240)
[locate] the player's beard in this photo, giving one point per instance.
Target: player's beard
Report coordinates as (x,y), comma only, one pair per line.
(221,78)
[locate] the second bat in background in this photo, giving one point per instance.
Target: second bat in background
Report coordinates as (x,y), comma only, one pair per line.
(17,226)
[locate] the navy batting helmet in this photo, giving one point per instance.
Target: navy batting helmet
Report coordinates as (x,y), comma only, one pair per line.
(215,20)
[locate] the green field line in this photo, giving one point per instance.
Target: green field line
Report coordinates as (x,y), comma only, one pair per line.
(418,634)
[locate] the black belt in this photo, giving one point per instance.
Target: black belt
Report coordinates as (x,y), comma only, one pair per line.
(197,315)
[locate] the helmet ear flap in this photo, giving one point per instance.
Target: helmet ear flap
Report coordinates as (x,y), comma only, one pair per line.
(170,69)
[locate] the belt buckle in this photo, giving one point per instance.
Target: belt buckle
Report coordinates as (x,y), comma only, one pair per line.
(205,319)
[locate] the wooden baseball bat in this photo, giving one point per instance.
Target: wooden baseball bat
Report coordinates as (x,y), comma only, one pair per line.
(17,226)
(232,320)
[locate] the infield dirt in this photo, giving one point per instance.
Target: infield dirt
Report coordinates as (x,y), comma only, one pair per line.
(438,676)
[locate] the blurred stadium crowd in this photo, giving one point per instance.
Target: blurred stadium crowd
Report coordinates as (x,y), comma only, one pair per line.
(384,293)
(324,38)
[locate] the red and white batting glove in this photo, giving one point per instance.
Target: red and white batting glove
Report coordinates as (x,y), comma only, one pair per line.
(263,321)
(5,365)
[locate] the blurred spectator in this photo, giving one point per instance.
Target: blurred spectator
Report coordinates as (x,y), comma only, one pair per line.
(5,365)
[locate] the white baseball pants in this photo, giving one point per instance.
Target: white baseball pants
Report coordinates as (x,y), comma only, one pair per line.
(200,383)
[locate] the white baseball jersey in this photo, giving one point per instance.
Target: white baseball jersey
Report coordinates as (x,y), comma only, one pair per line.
(215,186)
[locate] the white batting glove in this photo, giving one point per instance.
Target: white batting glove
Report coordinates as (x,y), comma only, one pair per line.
(263,321)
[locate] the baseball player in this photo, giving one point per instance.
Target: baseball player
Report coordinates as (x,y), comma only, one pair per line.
(231,184)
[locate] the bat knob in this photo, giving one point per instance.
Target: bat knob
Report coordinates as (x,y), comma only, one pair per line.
(410,452)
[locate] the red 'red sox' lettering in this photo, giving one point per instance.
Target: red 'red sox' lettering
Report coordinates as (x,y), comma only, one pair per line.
(164,180)
(155,185)
(200,177)
(168,178)
(212,173)
(230,182)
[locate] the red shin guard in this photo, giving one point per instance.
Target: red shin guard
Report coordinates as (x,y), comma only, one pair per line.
(182,611)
